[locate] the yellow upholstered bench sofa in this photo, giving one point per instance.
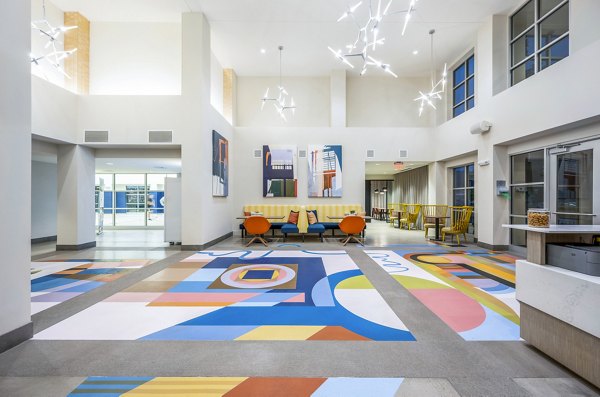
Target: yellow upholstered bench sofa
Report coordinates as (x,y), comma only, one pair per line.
(277,210)
(323,212)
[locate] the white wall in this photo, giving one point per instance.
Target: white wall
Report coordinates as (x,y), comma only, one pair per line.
(385,102)
(54,111)
(355,141)
(43,199)
(15,165)
(135,58)
(216,84)
(311,95)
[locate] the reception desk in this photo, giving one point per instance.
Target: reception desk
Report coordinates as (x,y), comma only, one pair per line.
(560,308)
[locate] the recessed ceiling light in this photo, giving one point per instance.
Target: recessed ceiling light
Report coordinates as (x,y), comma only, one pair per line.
(415,52)
(109,163)
(263,51)
(377,164)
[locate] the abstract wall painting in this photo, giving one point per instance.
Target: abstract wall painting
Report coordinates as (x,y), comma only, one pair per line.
(280,171)
(324,170)
(220,165)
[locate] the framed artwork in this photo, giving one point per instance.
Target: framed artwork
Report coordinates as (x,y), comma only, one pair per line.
(280,171)
(220,165)
(324,170)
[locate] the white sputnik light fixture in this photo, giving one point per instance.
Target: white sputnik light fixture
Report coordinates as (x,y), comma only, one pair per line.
(437,88)
(281,102)
(368,38)
(46,30)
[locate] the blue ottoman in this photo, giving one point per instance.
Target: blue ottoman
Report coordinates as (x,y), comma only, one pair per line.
(289,228)
(316,228)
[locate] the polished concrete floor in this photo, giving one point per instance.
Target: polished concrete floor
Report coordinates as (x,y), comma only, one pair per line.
(439,363)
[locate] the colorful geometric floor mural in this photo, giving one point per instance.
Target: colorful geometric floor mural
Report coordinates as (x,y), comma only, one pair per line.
(243,295)
(472,290)
(238,387)
(54,282)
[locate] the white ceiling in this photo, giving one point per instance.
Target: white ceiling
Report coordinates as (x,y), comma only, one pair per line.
(138,165)
(240,28)
(387,167)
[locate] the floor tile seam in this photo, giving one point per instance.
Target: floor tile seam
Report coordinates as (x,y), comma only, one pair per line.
(234,370)
(86,300)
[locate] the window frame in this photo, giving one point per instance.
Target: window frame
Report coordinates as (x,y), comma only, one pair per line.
(466,186)
(464,62)
(538,50)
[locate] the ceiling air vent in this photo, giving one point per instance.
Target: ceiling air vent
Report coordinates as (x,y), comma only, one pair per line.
(302,154)
(370,153)
(403,153)
(160,136)
(257,153)
(96,136)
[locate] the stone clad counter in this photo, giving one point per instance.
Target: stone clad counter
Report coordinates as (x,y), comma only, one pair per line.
(560,308)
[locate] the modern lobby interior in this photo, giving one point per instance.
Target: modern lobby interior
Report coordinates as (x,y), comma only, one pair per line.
(300,198)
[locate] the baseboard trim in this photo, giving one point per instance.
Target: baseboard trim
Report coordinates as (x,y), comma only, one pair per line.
(43,239)
(492,247)
(79,247)
(201,247)
(16,337)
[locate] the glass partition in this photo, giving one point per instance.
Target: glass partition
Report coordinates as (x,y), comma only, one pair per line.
(131,200)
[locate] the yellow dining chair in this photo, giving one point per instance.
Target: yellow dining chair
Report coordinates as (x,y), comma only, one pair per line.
(459,223)
(429,212)
(410,215)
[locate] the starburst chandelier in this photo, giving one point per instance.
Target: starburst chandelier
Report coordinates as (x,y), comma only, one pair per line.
(368,38)
(437,88)
(54,57)
(280,103)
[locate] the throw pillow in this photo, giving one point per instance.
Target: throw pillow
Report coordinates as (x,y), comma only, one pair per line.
(293,217)
(312,217)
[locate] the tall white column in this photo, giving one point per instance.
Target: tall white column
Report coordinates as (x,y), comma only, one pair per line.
(338,97)
(15,173)
(492,210)
(76,209)
(436,189)
(196,148)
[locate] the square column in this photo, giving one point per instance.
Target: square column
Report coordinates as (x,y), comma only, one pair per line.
(15,173)
(76,208)
(492,210)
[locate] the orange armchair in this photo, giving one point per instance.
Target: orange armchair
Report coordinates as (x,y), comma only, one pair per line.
(352,225)
(257,226)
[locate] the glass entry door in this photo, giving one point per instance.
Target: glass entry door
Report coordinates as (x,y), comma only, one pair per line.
(574,177)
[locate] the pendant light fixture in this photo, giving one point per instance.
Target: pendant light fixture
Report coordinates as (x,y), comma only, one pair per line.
(52,34)
(437,88)
(281,102)
(368,36)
